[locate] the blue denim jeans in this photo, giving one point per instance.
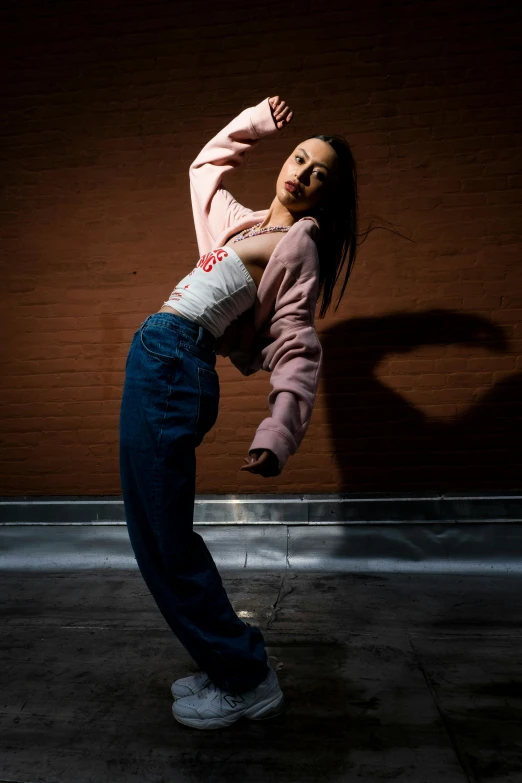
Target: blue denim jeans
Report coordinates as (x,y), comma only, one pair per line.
(170,401)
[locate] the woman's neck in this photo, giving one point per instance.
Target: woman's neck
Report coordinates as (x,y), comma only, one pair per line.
(278,215)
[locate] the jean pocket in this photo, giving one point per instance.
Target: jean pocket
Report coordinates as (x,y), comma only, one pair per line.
(160,342)
(206,354)
(208,409)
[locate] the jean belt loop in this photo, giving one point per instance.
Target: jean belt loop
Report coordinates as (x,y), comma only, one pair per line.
(200,335)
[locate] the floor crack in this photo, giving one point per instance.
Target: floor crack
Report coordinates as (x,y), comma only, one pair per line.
(462,761)
(274,607)
(280,598)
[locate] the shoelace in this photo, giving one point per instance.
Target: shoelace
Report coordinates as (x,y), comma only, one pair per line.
(207,690)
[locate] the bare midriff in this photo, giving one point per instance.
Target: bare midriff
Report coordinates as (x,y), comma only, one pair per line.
(255,255)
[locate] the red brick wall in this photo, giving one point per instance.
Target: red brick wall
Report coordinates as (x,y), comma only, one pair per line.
(104,107)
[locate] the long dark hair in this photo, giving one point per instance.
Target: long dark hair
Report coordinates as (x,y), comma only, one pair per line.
(337,219)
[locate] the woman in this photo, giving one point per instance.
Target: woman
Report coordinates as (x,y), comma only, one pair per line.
(251,297)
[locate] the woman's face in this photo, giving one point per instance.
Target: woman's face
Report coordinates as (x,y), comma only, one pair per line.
(312,168)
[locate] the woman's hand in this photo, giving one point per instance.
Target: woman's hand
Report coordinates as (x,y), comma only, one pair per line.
(280,112)
(265,462)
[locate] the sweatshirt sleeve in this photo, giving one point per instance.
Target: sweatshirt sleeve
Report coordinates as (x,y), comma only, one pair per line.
(294,358)
(214,208)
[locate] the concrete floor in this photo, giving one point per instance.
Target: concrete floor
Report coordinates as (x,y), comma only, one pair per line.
(386,677)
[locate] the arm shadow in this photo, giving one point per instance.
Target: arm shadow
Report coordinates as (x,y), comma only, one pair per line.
(383,443)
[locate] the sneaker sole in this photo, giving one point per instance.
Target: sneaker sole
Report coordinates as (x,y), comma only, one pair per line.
(263,711)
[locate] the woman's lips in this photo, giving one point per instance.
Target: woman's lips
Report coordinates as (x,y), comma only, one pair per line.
(291,188)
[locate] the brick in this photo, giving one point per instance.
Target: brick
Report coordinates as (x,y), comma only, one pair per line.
(96,227)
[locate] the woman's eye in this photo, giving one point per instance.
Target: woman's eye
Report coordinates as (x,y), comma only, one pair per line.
(320,174)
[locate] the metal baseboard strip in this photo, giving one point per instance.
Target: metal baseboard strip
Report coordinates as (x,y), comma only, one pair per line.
(472,534)
(441,548)
(291,509)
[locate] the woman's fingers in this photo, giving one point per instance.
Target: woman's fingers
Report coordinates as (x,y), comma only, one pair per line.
(263,464)
(283,119)
(253,464)
(281,111)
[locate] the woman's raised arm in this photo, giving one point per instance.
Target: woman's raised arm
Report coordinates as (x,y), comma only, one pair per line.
(214,208)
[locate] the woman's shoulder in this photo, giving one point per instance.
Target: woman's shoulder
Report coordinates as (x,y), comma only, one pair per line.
(298,250)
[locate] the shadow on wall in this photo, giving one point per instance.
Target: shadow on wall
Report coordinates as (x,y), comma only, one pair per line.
(384,443)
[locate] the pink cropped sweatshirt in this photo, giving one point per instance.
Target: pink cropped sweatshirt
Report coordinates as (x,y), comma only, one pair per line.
(277,334)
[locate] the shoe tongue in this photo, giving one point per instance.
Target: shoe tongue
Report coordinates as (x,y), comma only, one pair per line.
(207,690)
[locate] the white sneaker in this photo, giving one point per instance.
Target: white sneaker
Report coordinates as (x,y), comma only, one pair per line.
(215,708)
(189,686)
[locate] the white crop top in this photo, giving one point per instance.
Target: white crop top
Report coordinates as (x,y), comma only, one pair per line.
(217,291)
